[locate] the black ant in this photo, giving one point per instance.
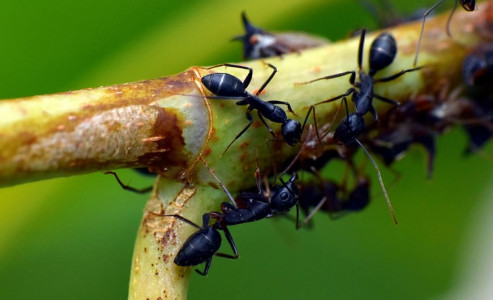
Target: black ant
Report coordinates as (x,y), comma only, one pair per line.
(347,133)
(382,53)
(203,244)
(258,43)
(227,86)
(250,206)
(468,5)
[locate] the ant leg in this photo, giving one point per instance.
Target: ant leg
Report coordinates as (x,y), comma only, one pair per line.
(179,218)
(387,100)
(389,204)
(206,268)
(284,103)
(247,79)
(219,181)
(450,18)
(312,213)
(292,179)
(231,242)
(360,49)
(127,187)
(258,177)
(396,75)
(297,156)
(297,226)
(418,46)
(250,122)
(351,79)
(382,98)
(349,92)
(274,71)
(265,123)
(312,110)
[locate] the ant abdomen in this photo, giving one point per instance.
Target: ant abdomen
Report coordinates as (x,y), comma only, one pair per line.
(223,84)
(382,52)
(199,247)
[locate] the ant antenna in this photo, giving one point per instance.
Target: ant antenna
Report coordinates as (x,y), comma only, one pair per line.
(389,204)
(178,217)
(418,46)
(219,181)
(302,147)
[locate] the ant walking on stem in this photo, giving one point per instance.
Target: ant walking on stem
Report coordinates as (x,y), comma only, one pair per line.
(228,87)
(382,53)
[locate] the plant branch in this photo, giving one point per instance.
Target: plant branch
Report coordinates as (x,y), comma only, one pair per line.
(167,124)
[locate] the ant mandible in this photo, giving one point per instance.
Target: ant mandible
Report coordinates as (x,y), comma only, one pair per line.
(382,53)
(203,244)
(468,5)
(226,86)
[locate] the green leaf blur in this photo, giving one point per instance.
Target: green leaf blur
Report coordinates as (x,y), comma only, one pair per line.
(72,238)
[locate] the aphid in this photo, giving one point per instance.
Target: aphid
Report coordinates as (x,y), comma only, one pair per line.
(226,86)
(477,67)
(392,144)
(347,133)
(127,187)
(203,244)
(325,197)
(258,43)
(382,53)
(468,5)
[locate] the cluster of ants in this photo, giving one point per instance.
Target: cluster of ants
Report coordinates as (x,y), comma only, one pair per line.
(418,121)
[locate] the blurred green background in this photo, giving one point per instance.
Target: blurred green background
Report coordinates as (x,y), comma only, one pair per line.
(72,238)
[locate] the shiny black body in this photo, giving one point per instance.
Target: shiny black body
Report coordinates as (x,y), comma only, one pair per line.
(226,86)
(203,244)
(382,53)
(256,206)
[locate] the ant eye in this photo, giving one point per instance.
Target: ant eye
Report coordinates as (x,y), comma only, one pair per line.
(284,195)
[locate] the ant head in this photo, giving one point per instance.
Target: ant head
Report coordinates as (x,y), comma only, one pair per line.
(382,52)
(468,5)
(350,128)
(291,132)
(286,196)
